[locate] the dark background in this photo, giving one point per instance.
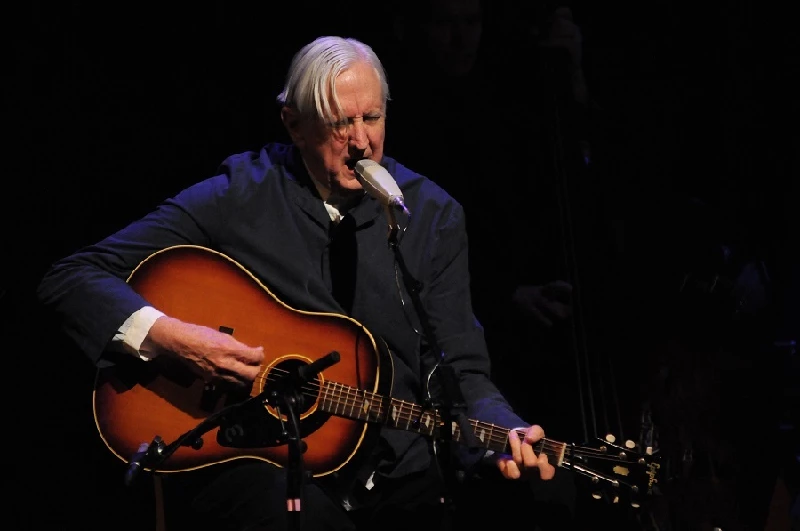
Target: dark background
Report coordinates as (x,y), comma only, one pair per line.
(111,108)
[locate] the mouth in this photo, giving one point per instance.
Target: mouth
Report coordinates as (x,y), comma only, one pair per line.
(351,164)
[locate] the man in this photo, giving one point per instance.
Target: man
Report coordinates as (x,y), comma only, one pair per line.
(281,214)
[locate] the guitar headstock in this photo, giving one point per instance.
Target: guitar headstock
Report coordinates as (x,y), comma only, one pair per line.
(618,470)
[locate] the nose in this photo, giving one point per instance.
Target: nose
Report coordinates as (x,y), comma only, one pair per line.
(358,135)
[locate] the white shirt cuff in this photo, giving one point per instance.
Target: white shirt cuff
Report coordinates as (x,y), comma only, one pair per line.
(133,331)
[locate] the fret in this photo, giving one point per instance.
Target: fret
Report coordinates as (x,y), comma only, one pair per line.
(326,401)
(540,446)
(489,439)
(386,409)
(411,417)
(377,406)
(481,433)
(426,423)
(373,407)
(368,407)
(420,419)
(363,406)
(412,422)
(394,411)
(338,399)
(382,405)
(353,400)
(414,417)
(375,410)
(408,411)
(334,396)
(331,398)
(485,432)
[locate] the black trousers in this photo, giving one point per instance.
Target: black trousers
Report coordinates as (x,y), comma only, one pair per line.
(249,495)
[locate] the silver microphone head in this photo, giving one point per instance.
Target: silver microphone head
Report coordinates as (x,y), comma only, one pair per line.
(378,183)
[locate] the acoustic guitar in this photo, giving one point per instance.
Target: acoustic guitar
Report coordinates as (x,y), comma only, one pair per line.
(343,407)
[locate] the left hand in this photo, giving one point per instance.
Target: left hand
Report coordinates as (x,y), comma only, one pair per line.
(523,459)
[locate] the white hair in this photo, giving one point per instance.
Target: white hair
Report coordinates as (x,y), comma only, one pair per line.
(310,85)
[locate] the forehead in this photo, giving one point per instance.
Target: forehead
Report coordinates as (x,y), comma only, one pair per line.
(359,89)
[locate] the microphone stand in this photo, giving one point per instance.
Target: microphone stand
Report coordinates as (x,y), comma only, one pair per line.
(291,397)
(452,407)
(285,399)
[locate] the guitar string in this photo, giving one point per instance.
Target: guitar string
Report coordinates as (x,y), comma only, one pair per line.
(408,412)
(495,440)
(355,398)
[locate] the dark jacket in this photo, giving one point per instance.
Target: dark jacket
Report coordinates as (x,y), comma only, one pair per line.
(263,211)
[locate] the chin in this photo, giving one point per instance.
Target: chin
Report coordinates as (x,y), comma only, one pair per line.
(347,179)
(350,184)
(345,182)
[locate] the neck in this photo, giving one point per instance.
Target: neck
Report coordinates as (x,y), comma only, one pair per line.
(324,190)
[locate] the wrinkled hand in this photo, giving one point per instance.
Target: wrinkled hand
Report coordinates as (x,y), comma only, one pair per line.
(523,460)
(210,354)
(549,303)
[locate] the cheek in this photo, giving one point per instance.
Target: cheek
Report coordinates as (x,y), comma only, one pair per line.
(328,144)
(335,149)
(376,138)
(331,152)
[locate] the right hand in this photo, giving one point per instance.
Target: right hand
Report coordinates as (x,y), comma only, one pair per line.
(210,354)
(546,304)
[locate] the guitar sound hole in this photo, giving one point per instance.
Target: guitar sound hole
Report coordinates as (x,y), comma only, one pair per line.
(283,379)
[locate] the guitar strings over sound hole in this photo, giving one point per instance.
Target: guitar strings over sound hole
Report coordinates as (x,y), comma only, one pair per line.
(282,379)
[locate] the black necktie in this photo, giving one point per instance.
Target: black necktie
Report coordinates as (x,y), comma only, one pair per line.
(343,258)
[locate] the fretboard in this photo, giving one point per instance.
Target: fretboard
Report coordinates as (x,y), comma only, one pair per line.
(348,402)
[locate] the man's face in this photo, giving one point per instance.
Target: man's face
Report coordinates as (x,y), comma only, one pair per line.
(358,134)
(453,33)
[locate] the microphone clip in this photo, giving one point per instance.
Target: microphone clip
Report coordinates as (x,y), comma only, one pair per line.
(398,202)
(141,459)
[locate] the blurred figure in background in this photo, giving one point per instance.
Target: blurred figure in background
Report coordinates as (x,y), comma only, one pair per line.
(503,86)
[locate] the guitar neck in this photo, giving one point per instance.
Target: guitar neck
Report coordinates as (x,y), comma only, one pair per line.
(348,402)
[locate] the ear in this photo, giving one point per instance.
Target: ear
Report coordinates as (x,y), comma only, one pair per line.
(292,123)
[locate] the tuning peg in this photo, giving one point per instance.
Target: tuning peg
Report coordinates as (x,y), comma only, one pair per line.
(629,444)
(610,438)
(603,496)
(634,497)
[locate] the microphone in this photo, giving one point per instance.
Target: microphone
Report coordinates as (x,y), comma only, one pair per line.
(379,184)
(307,372)
(135,466)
